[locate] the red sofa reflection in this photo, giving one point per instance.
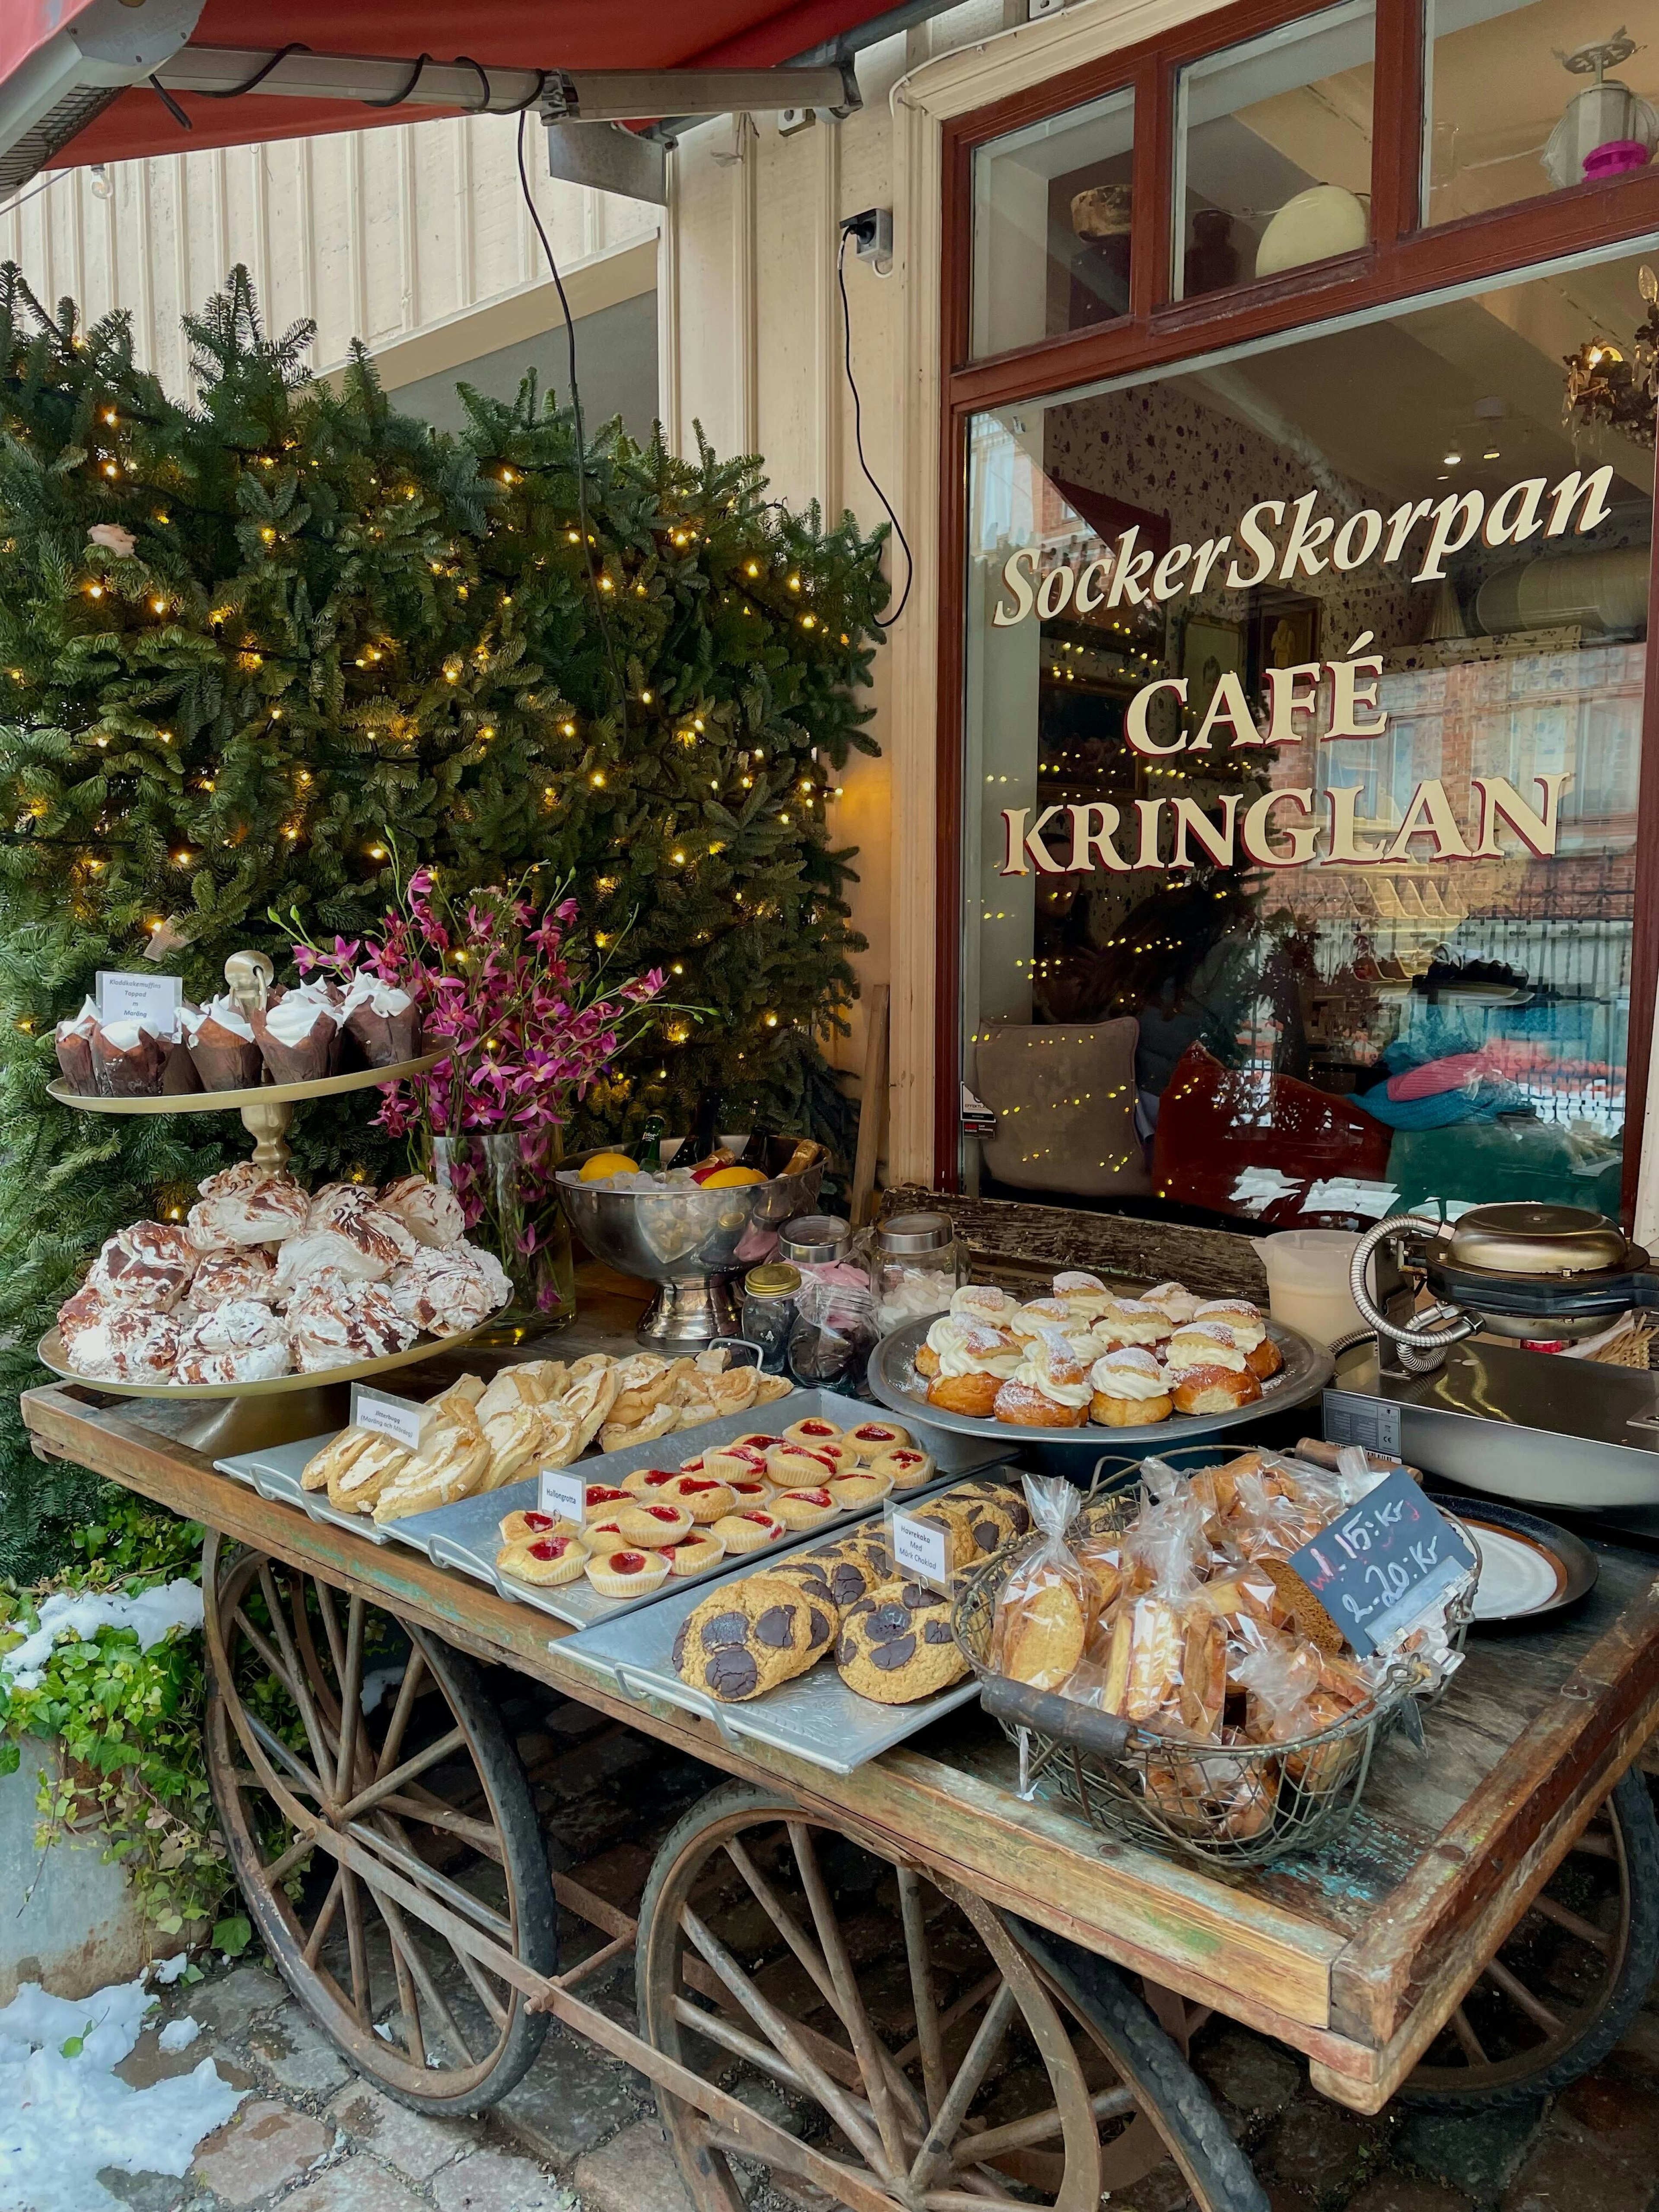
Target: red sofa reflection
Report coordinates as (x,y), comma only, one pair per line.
(1213,1122)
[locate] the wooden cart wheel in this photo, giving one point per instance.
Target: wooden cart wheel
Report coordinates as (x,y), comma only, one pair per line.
(426,1780)
(924,2059)
(1568,1980)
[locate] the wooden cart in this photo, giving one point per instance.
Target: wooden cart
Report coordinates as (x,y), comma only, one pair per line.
(907,1987)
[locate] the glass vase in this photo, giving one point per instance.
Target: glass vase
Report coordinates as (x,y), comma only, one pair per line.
(504,1181)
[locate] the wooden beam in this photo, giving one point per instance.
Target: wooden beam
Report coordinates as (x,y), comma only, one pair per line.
(872,1104)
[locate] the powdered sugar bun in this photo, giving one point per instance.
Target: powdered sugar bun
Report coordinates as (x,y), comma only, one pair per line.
(1172,1298)
(1136,1321)
(1029,1321)
(1205,1344)
(1238,1315)
(983,1301)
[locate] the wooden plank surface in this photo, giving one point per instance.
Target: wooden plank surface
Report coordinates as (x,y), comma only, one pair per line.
(1347,1957)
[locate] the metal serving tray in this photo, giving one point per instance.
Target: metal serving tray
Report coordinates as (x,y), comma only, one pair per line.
(816,1717)
(894,1379)
(275,1473)
(466,1536)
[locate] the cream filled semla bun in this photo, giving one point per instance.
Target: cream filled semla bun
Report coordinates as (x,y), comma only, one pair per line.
(1131,1372)
(1205,1344)
(1238,1315)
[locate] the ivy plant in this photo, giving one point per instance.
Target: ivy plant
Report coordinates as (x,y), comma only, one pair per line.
(126,1724)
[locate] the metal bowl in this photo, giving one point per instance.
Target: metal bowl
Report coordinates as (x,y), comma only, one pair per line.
(689,1243)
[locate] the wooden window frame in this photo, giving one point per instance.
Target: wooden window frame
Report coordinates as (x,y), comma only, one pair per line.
(1404,259)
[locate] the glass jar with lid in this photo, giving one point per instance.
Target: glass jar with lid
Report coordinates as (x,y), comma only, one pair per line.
(822,1245)
(916,1265)
(768,1312)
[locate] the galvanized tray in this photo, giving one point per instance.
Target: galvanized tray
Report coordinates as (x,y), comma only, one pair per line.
(275,1473)
(466,1536)
(1308,1367)
(816,1717)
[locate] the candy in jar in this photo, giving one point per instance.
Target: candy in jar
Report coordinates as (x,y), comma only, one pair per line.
(834,1333)
(915,1267)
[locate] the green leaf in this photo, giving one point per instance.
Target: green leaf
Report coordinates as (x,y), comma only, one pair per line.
(233,1936)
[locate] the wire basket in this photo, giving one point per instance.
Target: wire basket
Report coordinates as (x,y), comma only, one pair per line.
(1233,1805)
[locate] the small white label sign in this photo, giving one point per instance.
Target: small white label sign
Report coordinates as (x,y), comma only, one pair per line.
(152,1000)
(920,1550)
(400,1418)
(564,1492)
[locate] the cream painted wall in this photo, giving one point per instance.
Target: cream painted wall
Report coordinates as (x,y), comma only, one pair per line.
(382,234)
(752,349)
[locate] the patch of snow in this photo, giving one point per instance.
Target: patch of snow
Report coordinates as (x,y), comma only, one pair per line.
(166,1971)
(64,2118)
(179,2034)
(377,1683)
(65,1613)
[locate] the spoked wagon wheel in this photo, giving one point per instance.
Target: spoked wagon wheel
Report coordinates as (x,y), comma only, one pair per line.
(921,2058)
(1570,1977)
(328,1717)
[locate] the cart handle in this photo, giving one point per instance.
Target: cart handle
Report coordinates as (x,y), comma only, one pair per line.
(1017,1705)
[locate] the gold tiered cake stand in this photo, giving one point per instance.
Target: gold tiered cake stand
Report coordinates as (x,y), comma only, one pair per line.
(240,1417)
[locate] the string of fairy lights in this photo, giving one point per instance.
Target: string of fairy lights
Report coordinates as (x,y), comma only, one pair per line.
(756,584)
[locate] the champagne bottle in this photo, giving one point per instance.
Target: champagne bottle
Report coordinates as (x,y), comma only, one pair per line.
(651,1145)
(753,1154)
(705,1127)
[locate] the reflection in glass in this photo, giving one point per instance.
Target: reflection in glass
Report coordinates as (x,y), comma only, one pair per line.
(1052,207)
(1274,151)
(1529,98)
(1384,962)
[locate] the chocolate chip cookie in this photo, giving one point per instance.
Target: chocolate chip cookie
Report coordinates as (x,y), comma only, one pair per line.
(852,1569)
(1006,1502)
(746,1637)
(897,1644)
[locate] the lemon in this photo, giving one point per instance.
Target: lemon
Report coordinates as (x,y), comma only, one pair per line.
(608,1164)
(732,1179)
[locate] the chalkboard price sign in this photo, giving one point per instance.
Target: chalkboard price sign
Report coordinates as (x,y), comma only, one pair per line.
(1383,1563)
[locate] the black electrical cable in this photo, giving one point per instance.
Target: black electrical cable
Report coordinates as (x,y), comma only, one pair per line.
(399,98)
(887,621)
(581,437)
(170,104)
(252,84)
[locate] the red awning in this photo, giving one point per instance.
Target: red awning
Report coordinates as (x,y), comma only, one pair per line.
(565,34)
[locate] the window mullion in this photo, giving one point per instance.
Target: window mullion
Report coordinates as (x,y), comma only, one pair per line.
(1397,135)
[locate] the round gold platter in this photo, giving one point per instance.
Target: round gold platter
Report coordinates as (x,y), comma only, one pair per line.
(51,1352)
(255,1094)
(266,1108)
(244,1417)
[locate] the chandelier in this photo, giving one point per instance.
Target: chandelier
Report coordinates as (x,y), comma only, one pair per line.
(1618,385)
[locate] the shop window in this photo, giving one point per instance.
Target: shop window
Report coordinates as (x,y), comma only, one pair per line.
(1531,98)
(1303,705)
(1274,151)
(1052,207)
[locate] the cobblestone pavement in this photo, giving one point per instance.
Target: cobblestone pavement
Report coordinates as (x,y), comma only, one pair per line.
(579,2133)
